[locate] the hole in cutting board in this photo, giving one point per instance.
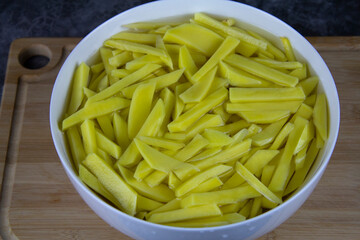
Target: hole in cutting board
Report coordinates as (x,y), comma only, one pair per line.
(35,56)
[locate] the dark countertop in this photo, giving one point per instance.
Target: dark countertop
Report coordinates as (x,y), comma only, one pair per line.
(41,18)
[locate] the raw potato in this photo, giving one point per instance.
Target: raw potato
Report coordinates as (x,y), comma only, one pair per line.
(194,124)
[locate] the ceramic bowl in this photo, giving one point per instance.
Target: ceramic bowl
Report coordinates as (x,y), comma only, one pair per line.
(250,17)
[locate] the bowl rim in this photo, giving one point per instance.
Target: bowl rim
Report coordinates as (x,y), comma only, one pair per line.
(315,177)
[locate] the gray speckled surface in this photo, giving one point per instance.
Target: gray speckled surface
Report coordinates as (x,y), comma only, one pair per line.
(48,18)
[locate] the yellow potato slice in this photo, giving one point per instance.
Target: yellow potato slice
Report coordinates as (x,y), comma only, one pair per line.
(147,204)
(239,136)
(151,126)
(256,183)
(162,142)
(289,52)
(309,84)
(105,124)
(103,83)
(261,70)
(232,128)
(280,138)
(175,136)
(107,145)
(199,178)
(217,138)
(142,170)
(89,136)
(186,61)
(141,214)
(218,83)
(254,164)
(209,221)
(267,173)
(168,98)
(195,37)
(319,141)
(140,107)
(200,89)
(227,155)
(185,120)
(134,47)
(161,30)
(264,117)
(320,116)
(120,127)
(232,207)
(105,156)
(256,207)
(119,73)
(126,81)
(173,181)
(265,94)
(97,68)
(162,81)
(278,64)
(118,61)
(240,78)
(205,154)
(259,160)
(91,180)
(253,129)
(310,100)
(192,148)
(76,146)
(299,176)
(95,81)
(276,52)
(150,25)
(226,47)
(179,104)
(107,176)
(208,185)
(166,59)
(220,110)
(206,121)
(269,133)
(234,32)
(106,54)
(139,62)
(246,49)
(155,178)
(291,106)
(304,111)
(158,160)
(174,50)
(81,78)
(159,193)
(301,73)
(300,158)
(283,169)
(306,136)
(88,93)
(245,211)
(144,38)
(185,214)
(220,197)
(170,205)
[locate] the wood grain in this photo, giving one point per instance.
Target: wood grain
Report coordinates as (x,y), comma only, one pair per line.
(39,202)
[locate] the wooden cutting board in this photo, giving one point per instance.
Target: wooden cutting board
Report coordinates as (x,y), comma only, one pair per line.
(39,202)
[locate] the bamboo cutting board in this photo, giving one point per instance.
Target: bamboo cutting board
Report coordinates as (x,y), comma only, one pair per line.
(39,202)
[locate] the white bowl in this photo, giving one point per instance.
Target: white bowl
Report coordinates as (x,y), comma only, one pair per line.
(254,19)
